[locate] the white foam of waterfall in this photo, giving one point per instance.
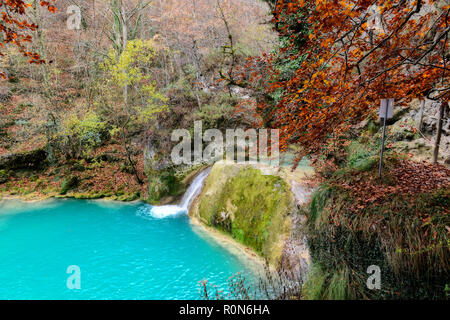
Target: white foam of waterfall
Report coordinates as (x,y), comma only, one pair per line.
(183,207)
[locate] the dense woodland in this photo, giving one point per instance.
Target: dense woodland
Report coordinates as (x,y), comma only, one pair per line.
(133,72)
(88,112)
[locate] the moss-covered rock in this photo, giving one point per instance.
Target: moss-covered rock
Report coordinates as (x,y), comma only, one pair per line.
(34,159)
(251,207)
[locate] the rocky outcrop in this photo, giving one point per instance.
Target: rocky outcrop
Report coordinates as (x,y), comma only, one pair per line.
(256,207)
(408,139)
(34,159)
(253,208)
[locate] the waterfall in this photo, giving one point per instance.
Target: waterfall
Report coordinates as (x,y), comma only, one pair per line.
(194,189)
(183,207)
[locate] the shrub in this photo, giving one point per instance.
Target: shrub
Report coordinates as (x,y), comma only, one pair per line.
(69,183)
(3,176)
(162,184)
(403,233)
(80,134)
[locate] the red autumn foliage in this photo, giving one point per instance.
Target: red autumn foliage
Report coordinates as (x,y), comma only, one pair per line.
(404,178)
(13,27)
(352,57)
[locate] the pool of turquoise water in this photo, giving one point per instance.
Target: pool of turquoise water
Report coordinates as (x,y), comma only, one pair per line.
(121,251)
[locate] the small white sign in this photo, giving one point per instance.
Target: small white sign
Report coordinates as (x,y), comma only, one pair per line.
(389,104)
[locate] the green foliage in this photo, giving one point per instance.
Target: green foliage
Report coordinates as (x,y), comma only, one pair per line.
(372,127)
(88,128)
(21,107)
(131,70)
(69,183)
(163,184)
(362,156)
(250,206)
(219,113)
(287,61)
(3,176)
(318,202)
(81,133)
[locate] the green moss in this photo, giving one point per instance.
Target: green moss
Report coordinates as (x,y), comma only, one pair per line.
(129,197)
(163,184)
(3,176)
(253,208)
(69,183)
(362,157)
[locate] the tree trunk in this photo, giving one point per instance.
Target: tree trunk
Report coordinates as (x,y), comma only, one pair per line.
(439,132)
(130,160)
(124,45)
(419,123)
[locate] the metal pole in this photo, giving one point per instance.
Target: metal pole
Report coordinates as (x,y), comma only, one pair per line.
(384,137)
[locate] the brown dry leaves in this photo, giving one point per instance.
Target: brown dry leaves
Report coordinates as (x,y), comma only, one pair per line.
(404,178)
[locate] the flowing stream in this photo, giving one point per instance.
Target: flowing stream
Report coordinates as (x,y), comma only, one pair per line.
(183,207)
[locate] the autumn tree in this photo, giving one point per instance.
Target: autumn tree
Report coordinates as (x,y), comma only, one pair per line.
(354,53)
(15,28)
(143,101)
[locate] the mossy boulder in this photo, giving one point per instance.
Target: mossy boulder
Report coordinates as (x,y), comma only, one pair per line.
(403,130)
(251,207)
(34,159)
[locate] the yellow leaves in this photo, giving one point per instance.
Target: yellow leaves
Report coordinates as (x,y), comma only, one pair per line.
(127,67)
(128,79)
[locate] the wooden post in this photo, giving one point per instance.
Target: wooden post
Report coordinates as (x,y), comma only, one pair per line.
(383,139)
(439,132)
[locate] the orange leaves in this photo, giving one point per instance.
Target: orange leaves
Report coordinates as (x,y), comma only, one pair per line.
(52,9)
(350,63)
(10,27)
(326,42)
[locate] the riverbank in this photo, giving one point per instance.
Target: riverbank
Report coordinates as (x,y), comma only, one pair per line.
(91,183)
(291,248)
(258,263)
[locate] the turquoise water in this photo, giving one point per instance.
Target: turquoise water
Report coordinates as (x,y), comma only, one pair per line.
(122,252)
